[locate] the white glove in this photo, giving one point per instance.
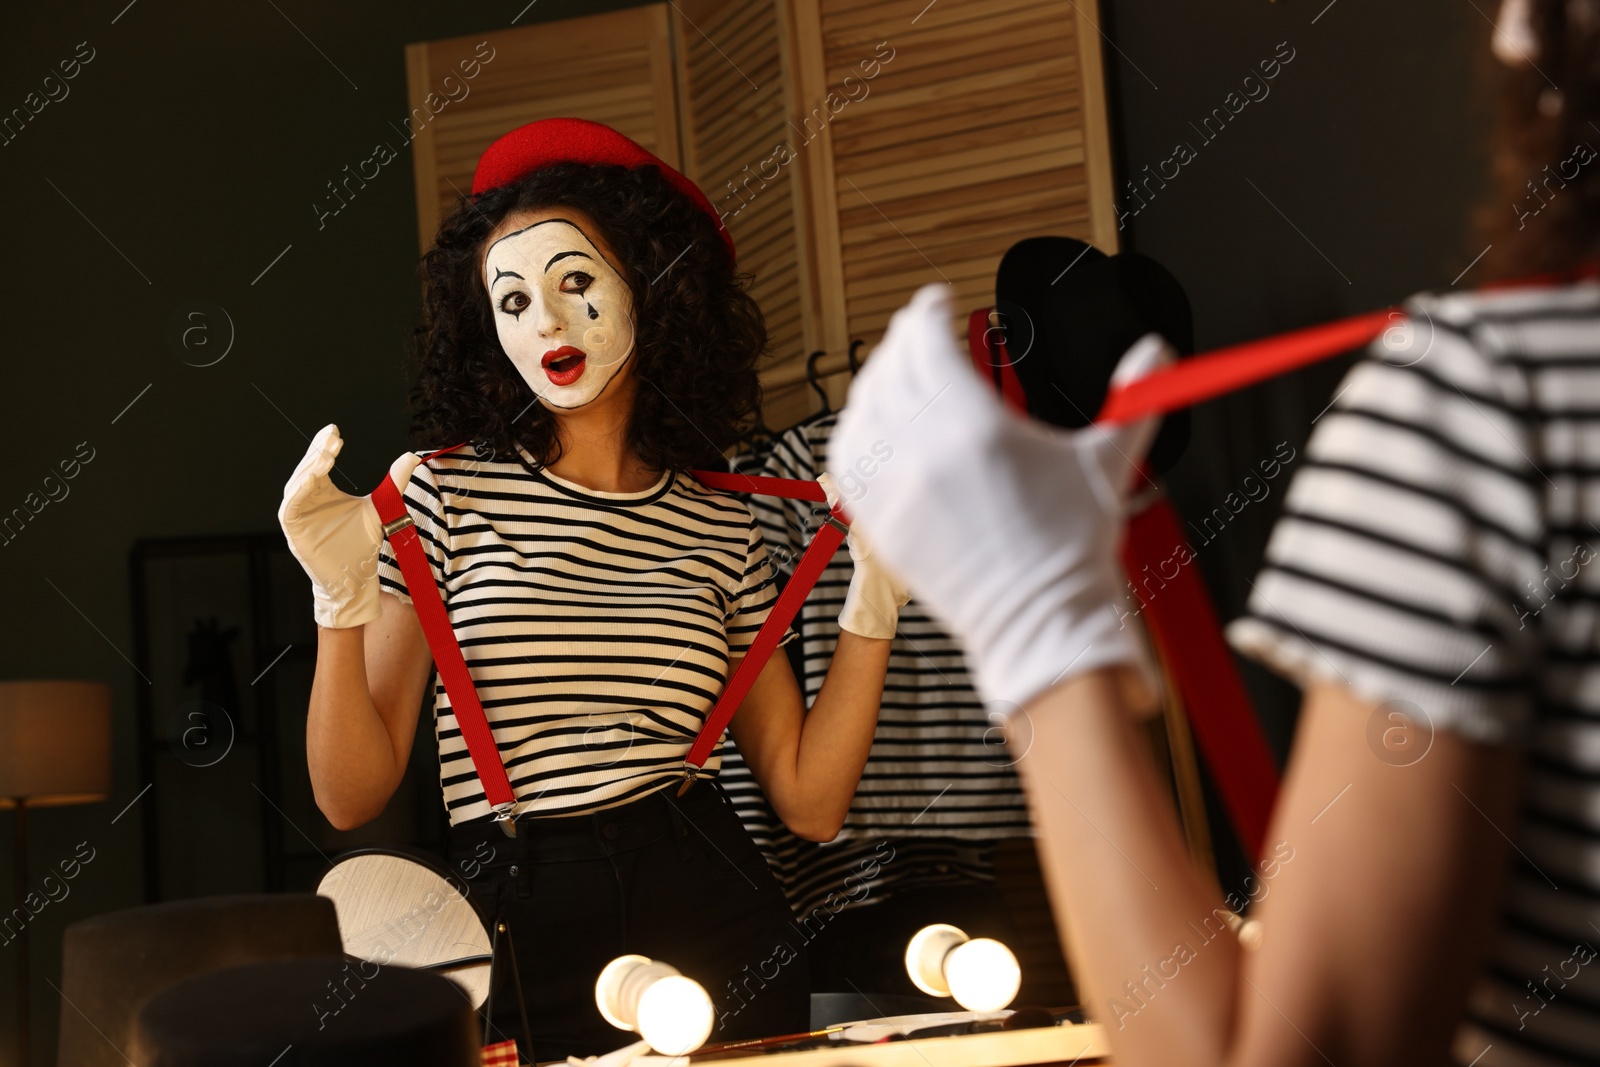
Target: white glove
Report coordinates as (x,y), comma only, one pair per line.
(873,602)
(1006,529)
(334,535)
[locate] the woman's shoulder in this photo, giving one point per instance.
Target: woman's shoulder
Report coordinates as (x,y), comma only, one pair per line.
(719,506)
(461,468)
(1516,318)
(1494,344)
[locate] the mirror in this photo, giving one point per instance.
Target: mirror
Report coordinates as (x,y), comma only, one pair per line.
(396,908)
(852,156)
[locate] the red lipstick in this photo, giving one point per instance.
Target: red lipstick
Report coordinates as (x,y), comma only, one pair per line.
(564,365)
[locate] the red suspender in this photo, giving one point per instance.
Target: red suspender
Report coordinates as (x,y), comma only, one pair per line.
(1182,621)
(806,573)
(1190,381)
(1183,624)
(421,584)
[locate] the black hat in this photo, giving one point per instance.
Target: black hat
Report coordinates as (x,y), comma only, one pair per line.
(307,1013)
(111,963)
(1067,314)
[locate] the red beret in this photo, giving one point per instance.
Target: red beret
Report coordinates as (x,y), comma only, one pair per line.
(540,144)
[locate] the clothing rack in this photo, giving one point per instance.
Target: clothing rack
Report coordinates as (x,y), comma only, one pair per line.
(794,373)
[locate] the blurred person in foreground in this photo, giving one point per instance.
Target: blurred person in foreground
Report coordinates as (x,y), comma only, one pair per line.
(1433,902)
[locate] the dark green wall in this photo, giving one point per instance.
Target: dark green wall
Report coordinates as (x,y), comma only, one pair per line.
(1345,188)
(199,136)
(196,141)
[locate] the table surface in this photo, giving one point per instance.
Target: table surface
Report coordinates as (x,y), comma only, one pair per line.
(1069,1043)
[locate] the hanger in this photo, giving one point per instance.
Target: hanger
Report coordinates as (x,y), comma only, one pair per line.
(761,433)
(850,356)
(811,376)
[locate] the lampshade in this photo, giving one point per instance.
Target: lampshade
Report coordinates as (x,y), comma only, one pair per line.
(55,742)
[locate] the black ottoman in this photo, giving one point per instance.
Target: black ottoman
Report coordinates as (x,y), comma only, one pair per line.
(111,964)
(307,1013)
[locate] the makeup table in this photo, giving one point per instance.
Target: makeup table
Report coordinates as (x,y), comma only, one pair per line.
(1066,1044)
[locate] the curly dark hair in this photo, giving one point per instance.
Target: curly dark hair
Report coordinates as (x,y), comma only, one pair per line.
(699,334)
(1546,130)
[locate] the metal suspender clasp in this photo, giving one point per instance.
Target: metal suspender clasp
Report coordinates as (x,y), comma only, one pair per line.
(392,528)
(690,773)
(506,815)
(834,521)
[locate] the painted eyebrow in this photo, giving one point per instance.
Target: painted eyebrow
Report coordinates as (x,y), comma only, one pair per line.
(564,255)
(498,274)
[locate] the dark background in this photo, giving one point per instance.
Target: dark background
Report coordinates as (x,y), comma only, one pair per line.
(198,138)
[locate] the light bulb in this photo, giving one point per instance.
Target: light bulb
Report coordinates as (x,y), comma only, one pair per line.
(983,974)
(672,1013)
(675,1015)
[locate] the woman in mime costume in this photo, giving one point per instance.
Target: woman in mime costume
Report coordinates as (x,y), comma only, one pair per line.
(585,329)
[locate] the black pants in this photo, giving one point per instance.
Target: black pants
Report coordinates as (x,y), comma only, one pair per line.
(673,878)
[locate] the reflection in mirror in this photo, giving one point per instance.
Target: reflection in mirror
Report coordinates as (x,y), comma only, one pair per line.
(398,909)
(808,129)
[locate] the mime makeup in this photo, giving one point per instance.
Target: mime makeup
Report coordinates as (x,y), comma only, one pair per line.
(563,313)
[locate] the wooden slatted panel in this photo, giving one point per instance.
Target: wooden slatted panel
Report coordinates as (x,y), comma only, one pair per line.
(614,68)
(732,83)
(986,126)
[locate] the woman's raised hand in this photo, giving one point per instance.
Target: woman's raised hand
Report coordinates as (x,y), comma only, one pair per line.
(334,535)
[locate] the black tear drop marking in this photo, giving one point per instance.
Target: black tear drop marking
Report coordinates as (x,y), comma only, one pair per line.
(593,314)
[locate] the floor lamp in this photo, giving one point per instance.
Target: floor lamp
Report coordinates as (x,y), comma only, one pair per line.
(55,748)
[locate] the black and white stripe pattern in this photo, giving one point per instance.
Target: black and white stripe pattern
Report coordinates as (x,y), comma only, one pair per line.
(1438,547)
(939,781)
(598,627)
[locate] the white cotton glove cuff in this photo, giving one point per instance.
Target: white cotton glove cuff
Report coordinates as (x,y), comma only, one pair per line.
(872,603)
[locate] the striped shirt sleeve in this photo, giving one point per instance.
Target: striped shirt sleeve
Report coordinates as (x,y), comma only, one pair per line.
(757,593)
(1410,532)
(425,505)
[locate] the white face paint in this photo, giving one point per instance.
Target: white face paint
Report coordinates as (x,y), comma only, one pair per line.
(563,313)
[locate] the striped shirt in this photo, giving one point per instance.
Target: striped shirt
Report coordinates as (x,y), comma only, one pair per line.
(939,781)
(1434,557)
(597,626)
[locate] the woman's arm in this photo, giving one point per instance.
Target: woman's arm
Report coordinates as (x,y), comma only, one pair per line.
(1375,895)
(365,695)
(372,660)
(809,763)
(1377,889)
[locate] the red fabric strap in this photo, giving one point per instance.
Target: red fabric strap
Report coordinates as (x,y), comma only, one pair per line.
(794,488)
(1221,371)
(1183,624)
(421,584)
(806,572)
(990,355)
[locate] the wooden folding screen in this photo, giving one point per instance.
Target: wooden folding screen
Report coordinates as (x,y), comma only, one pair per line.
(614,68)
(985,124)
(856,150)
(734,101)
